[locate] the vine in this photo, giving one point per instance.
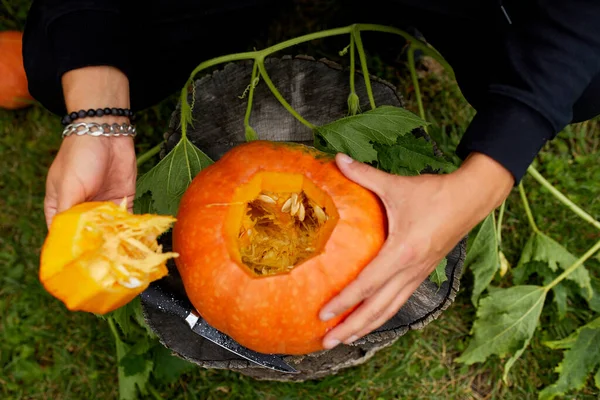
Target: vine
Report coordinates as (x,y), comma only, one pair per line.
(506,317)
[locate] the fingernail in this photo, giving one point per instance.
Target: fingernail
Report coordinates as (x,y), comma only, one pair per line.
(351,339)
(326,316)
(331,343)
(345,158)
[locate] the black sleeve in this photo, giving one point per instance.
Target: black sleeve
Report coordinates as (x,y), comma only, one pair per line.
(62,35)
(546,62)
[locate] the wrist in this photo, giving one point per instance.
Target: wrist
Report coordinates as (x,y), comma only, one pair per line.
(485,181)
(97,87)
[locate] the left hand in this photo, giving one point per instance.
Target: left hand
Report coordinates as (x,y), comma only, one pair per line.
(427,216)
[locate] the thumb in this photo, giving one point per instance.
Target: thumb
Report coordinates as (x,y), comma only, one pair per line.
(71,193)
(363,174)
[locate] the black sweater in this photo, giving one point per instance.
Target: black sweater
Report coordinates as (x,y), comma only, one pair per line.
(540,68)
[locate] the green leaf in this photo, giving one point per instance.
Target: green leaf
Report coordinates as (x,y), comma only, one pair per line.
(597,379)
(594,301)
(580,360)
(483,258)
(438,276)
(356,134)
(130,384)
(130,319)
(143,204)
(560,292)
(409,156)
(170,178)
(506,321)
(568,342)
(134,361)
(168,367)
(540,247)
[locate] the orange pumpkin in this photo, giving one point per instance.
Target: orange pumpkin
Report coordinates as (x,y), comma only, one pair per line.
(14,92)
(266,236)
(97,256)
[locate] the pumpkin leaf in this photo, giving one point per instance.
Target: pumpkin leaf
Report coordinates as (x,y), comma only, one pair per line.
(355,135)
(438,276)
(483,259)
(168,367)
(581,358)
(410,155)
(129,385)
(170,178)
(506,321)
(541,247)
(561,291)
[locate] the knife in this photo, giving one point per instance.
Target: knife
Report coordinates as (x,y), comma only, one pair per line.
(158,298)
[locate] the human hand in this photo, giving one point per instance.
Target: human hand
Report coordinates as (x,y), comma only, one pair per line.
(427,216)
(90,168)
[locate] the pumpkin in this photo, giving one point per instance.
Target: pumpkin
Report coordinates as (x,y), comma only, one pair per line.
(266,236)
(14,91)
(97,256)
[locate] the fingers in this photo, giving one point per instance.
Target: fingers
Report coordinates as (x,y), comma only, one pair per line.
(363,174)
(401,298)
(367,313)
(374,312)
(391,258)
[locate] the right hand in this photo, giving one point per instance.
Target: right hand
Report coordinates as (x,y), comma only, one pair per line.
(90,169)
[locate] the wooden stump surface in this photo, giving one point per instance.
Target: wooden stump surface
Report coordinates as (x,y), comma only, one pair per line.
(318,90)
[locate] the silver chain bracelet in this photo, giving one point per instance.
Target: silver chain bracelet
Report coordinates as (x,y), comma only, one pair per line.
(94,129)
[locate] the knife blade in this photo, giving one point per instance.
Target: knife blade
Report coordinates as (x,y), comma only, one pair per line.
(158,298)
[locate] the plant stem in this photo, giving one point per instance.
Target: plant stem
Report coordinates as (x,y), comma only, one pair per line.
(113,328)
(528,209)
(250,96)
(363,63)
(149,154)
(153,391)
(415,81)
(352,64)
(499,223)
(416,43)
(573,267)
(562,198)
(288,107)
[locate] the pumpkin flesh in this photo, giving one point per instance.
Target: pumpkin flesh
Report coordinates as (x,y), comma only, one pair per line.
(97,256)
(275,311)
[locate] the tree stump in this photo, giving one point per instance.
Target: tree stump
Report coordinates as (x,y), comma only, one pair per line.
(318,90)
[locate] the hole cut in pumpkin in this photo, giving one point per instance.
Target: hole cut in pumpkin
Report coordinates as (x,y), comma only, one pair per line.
(286,221)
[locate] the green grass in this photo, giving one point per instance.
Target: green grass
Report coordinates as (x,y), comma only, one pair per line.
(47,352)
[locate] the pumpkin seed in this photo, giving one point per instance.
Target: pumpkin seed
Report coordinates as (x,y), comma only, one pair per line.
(287,205)
(266,199)
(320,214)
(301,212)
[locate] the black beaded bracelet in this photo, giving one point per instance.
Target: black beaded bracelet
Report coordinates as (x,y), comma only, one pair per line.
(99,112)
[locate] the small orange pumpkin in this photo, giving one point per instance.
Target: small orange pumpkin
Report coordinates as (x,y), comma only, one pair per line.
(14,91)
(266,236)
(97,256)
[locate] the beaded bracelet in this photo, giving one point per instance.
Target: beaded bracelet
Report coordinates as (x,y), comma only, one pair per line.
(117,112)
